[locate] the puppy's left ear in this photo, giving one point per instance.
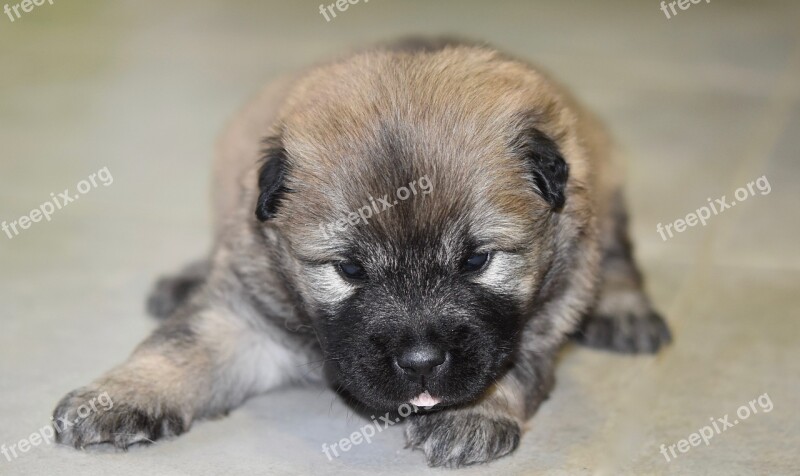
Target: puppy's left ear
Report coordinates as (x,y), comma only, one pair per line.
(271,179)
(546,165)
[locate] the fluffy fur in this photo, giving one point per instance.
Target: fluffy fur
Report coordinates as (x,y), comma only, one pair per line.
(517,170)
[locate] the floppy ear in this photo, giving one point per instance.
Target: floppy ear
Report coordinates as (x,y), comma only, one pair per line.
(546,165)
(271,179)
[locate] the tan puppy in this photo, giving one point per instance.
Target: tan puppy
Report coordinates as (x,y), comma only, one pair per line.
(432,219)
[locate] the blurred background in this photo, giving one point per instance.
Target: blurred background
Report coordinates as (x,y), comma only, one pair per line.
(700,103)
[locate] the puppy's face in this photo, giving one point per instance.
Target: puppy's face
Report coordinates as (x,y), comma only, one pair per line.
(418,242)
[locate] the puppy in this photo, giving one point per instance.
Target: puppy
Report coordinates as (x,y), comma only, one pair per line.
(431,219)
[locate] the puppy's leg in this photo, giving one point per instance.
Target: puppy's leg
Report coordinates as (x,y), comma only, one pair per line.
(204,360)
(491,427)
(623,319)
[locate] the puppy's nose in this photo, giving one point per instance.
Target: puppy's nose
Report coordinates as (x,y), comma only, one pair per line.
(420,361)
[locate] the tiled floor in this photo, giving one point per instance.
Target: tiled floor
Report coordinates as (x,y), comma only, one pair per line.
(701,104)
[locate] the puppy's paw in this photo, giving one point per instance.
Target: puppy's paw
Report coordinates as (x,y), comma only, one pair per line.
(627,333)
(460,437)
(90,416)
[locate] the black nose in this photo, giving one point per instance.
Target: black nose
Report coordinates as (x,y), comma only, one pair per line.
(420,361)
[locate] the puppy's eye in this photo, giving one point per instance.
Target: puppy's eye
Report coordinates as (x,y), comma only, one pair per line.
(351,270)
(476,262)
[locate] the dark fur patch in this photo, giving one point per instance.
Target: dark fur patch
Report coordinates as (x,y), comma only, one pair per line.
(272,179)
(417,293)
(170,292)
(546,165)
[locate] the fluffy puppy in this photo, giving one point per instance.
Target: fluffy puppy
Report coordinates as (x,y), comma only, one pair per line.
(431,219)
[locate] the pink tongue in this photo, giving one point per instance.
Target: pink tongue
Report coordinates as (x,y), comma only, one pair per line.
(424,400)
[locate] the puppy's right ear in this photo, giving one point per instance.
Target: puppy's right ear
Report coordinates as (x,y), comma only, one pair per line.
(271,179)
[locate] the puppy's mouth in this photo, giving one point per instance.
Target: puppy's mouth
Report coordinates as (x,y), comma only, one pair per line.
(425,400)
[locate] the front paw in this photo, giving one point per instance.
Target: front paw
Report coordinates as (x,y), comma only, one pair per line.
(93,415)
(461,437)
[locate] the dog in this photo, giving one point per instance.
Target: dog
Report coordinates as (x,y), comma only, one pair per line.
(454,295)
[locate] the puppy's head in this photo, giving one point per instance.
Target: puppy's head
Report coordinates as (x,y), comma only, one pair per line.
(421,198)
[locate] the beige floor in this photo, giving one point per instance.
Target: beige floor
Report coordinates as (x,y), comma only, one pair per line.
(701,104)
